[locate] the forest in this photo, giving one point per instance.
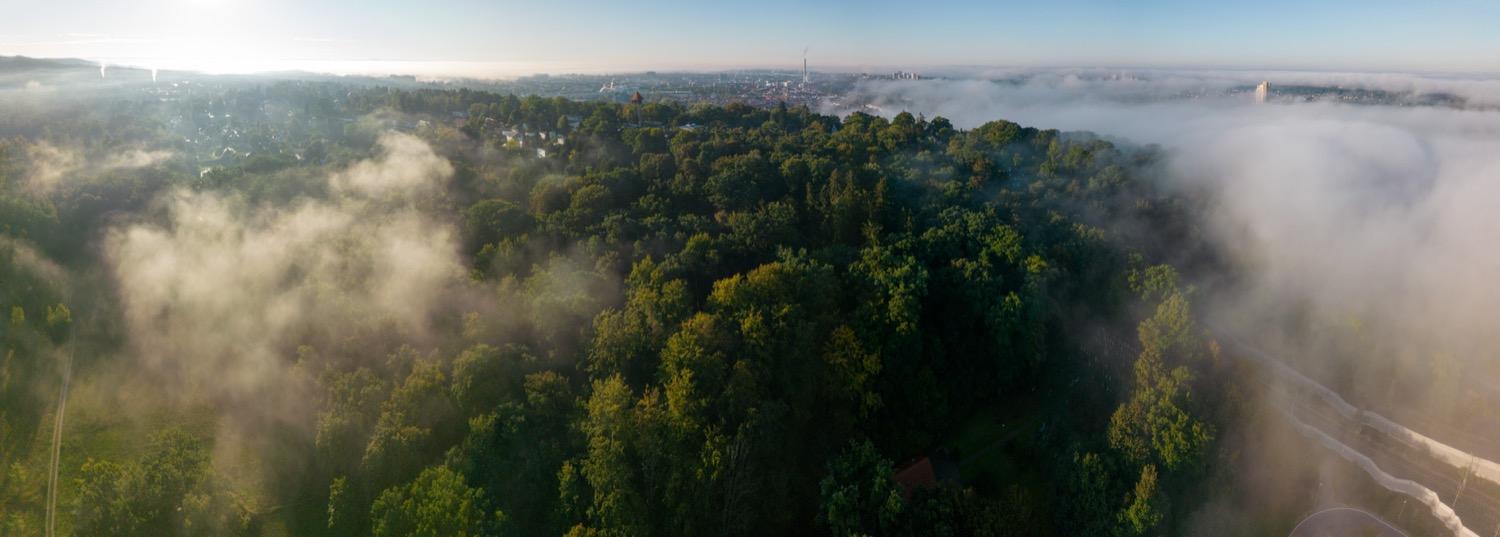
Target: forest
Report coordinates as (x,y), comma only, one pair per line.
(316,308)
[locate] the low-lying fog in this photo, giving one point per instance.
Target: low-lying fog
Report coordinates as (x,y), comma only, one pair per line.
(1366,227)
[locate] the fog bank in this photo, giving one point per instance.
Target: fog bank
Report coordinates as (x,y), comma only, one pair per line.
(217,291)
(1361,234)
(1370,211)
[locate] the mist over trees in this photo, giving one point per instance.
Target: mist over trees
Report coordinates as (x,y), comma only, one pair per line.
(315,308)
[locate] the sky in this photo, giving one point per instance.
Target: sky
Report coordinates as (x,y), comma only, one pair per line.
(509,38)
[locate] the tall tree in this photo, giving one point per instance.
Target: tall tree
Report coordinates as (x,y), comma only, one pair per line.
(436,504)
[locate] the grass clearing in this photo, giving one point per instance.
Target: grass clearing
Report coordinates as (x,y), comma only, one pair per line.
(987,446)
(98,427)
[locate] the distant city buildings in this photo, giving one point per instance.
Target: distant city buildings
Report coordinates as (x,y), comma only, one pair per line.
(1262,91)
(761,88)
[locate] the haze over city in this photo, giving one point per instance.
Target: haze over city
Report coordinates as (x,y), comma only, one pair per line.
(504,39)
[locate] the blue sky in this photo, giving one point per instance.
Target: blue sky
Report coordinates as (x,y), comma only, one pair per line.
(512,37)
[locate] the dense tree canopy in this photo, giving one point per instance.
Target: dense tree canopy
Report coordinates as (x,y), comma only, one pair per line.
(722,320)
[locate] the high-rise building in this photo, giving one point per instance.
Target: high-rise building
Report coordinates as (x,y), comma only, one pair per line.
(1262,91)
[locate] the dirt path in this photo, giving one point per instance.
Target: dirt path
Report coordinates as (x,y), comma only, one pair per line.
(57,429)
(997,443)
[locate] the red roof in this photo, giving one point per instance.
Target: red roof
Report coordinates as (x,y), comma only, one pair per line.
(915,475)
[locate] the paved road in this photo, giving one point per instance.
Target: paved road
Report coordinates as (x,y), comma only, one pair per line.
(1345,522)
(1474,462)
(1481,443)
(1475,501)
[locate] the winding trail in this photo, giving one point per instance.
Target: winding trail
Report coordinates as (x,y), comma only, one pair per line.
(57,426)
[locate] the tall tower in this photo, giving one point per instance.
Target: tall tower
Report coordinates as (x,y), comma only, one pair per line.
(639,102)
(804,65)
(1262,91)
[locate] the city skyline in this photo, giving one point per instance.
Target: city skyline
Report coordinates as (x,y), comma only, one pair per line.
(504,39)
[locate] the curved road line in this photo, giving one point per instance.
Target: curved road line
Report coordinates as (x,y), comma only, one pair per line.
(1366,513)
(1442,511)
(57,426)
